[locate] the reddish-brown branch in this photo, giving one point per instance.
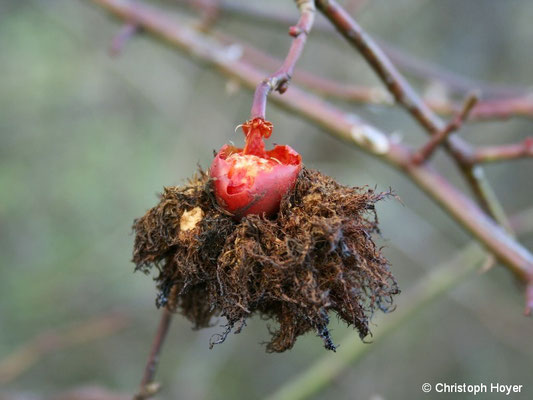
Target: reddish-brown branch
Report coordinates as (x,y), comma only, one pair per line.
(409,99)
(407,62)
(279,80)
(518,104)
(502,109)
(210,11)
(529,297)
(122,37)
(503,153)
(320,85)
(148,387)
(483,110)
(425,152)
(16,363)
(487,109)
(344,126)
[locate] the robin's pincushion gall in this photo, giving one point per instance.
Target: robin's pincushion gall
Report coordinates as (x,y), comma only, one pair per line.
(262,235)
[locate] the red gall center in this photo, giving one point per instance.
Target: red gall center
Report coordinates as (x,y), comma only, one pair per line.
(254,180)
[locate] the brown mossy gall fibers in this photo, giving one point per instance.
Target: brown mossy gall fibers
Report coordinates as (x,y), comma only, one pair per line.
(317,255)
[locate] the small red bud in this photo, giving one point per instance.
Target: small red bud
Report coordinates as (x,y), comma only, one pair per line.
(253,180)
(283,87)
(294,31)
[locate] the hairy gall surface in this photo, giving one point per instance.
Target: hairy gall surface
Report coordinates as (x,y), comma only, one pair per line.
(317,255)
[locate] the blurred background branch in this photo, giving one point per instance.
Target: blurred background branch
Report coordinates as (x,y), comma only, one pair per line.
(87,140)
(51,341)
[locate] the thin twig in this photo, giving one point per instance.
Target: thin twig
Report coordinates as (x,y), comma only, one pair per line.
(409,99)
(507,152)
(323,86)
(408,62)
(529,298)
(279,80)
(330,88)
(426,151)
(210,11)
(16,363)
(354,6)
(515,101)
(518,106)
(128,30)
(148,387)
(339,124)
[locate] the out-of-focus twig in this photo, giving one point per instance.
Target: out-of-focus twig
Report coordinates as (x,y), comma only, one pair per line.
(354,6)
(16,363)
(78,393)
(148,387)
(425,152)
(279,80)
(122,37)
(507,152)
(210,11)
(517,106)
(90,393)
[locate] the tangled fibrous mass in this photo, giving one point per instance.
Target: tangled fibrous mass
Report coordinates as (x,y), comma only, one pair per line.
(314,256)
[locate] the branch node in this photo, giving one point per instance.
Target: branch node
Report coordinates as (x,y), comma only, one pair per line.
(295,31)
(147,391)
(427,150)
(283,86)
(279,81)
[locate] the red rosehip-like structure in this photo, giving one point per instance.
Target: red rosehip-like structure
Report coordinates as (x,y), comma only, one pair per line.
(252,180)
(260,234)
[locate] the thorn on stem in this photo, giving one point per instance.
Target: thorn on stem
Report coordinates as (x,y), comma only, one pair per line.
(125,33)
(488,264)
(295,31)
(210,13)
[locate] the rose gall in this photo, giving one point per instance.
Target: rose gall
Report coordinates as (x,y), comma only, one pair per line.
(303,252)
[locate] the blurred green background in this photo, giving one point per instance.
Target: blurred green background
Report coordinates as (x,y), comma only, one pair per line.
(87,141)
